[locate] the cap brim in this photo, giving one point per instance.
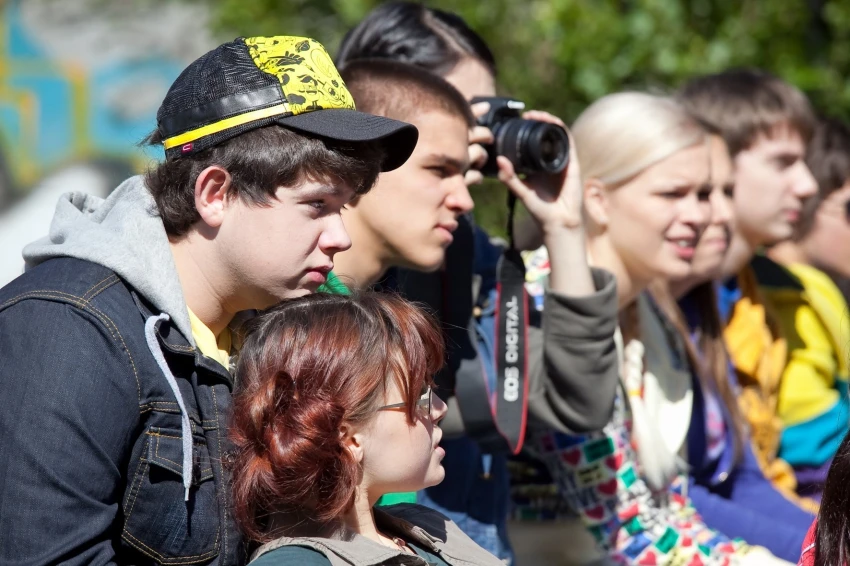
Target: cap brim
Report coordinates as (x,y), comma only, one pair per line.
(397,138)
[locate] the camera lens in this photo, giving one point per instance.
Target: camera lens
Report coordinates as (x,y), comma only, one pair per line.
(532,146)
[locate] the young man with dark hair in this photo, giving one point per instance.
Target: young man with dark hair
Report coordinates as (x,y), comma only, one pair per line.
(116,341)
(812,311)
(407,220)
(767,124)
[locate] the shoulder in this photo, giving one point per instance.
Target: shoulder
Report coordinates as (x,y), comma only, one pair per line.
(77,314)
(78,293)
(416,514)
(286,555)
(773,276)
(820,284)
(807,557)
(69,281)
(448,537)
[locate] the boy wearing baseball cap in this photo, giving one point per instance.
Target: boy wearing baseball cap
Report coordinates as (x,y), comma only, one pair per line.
(116,341)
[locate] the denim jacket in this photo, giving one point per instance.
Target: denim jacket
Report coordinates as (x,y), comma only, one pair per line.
(114,425)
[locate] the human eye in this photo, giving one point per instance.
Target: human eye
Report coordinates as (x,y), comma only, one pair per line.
(318,204)
(704,193)
(672,194)
(783,162)
(729,190)
(439,171)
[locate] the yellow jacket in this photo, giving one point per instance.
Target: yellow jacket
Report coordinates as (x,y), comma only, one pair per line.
(759,354)
(812,397)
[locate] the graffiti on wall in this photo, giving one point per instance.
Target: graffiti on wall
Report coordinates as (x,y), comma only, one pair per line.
(81,83)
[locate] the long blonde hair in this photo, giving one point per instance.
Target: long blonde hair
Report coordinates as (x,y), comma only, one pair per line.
(618,137)
(621,134)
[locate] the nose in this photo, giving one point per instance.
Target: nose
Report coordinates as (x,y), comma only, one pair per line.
(334,238)
(459,200)
(695,212)
(438,408)
(721,207)
(805,185)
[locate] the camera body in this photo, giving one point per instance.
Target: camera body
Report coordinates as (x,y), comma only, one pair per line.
(532,146)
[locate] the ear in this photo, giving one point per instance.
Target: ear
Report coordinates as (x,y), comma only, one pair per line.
(596,202)
(353,441)
(211,188)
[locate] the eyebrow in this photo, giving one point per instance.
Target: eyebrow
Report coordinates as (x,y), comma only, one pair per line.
(446,161)
(322,190)
(786,154)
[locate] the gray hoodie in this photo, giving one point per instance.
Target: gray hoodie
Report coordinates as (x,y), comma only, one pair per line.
(125,234)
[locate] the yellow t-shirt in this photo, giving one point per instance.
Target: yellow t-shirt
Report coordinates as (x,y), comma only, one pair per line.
(216,349)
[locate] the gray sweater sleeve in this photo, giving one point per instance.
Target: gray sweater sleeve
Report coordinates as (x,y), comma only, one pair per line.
(573,365)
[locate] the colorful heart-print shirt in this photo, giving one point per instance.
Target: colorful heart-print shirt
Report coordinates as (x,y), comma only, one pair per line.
(598,476)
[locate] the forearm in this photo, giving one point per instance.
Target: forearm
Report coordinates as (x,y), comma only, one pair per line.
(573,362)
(569,274)
(743,521)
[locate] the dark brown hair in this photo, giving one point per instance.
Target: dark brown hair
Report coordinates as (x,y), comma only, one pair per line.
(742,104)
(307,367)
(259,162)
(416,34)
(828,158)
(401,90)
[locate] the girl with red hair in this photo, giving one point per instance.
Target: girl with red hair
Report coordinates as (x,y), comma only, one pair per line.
(336,409)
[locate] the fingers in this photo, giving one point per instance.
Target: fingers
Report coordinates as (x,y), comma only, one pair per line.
(473,177)
(480,135)
(477,156)
(508,176)
(542,116)
(480,108)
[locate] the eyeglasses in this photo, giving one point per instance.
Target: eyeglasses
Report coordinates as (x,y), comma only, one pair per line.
(424,402)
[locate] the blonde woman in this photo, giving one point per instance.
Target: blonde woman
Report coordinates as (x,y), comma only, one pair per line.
(646,175)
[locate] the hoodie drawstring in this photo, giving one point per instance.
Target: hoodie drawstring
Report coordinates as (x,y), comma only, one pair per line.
(156,350)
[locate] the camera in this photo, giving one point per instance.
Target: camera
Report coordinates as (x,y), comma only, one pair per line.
(532,146)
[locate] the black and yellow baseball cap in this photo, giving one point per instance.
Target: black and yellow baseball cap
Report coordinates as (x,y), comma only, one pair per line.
(253,82)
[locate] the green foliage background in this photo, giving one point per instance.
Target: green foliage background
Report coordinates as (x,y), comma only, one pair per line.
(560,55)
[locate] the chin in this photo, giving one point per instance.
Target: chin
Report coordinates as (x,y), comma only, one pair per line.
(428,264)
(675,269)
(777,237)
(706,269)
(308,289)
(777,233)
(436,477)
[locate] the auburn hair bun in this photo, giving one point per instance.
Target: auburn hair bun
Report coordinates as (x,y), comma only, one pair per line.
(307,367)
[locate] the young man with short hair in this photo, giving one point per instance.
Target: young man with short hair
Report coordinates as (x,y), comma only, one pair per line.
(813,404)
(766,123)
(116,341)
(405,221)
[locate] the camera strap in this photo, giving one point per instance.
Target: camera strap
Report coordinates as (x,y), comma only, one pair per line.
(511,406)
(497,419)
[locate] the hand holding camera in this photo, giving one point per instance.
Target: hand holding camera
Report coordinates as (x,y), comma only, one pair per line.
(479,137)
(535,144)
